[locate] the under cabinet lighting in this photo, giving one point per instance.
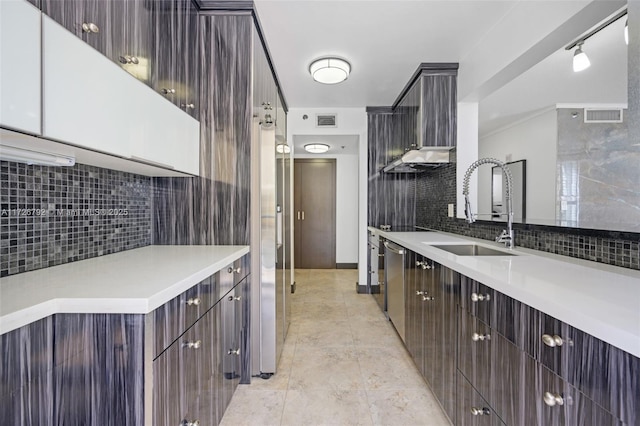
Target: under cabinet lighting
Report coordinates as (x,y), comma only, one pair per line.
(26,156)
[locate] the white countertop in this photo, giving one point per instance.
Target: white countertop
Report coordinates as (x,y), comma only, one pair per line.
(601,300)
(134,281)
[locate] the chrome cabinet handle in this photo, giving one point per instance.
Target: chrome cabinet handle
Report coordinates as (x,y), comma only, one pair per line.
(192,345)
(231,270)
(234,351)
(298,215)
(420,293)
(190,423)
(232,298)
(480,337)
(90,27)
(303,215)
(552,341)
(553,399)
(480,411)
(194,301)
(126,59)
(168,91)
(423,264)
(428,298)
(188,106)
(380,254)
(475,297)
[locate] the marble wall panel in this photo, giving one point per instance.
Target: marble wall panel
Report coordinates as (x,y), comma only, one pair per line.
(598,178)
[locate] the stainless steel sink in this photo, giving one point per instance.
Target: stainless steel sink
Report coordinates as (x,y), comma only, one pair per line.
(472,250)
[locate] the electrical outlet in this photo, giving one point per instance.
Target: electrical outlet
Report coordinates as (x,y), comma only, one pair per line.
(450,210)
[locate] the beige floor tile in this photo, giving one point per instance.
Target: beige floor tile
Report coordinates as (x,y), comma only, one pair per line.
(374,332)
(324,333)
(253,407)
(326,407)
(388,368)
(413,407)
(325,368)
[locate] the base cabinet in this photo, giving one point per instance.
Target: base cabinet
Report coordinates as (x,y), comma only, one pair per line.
(492,360)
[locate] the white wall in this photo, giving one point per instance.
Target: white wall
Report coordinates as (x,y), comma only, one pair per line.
(535,140)
(351,121)
(466,153)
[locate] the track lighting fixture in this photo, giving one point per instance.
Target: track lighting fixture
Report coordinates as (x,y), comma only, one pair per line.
(580,59)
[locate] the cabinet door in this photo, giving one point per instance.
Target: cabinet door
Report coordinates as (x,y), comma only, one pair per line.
(184,389)
(413,308)
(439,104)
(20,66)
(445,304)
(89,20)
(130,37)
(550,400)
(407,122)
(80,101)
(472,409)
(230,351)
(572,354)
(175,36)
(26,389)
(474,351)
(99,364)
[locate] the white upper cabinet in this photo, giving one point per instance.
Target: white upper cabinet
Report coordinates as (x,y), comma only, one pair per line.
(20,66)
(90,102)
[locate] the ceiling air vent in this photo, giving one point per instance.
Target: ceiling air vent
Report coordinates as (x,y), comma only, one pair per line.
(326,120)
(600,115)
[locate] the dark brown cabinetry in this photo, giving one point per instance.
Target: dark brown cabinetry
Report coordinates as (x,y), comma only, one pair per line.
(492,360)
(431,297)
(196,375)
(532,369)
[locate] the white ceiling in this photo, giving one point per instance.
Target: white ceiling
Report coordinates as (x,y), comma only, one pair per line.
(494,41)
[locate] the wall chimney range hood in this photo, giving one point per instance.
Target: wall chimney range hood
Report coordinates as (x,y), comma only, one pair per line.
(417,160)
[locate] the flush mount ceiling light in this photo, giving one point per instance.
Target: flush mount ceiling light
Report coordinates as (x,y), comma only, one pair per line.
(580,59)
(316,148)
(330,70)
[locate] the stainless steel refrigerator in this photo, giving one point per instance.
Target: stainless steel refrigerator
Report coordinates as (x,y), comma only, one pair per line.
(270,246)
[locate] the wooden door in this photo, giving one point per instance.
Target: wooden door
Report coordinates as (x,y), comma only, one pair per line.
(315,213)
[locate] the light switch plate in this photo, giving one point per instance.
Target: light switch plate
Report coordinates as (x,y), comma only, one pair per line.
(450,210)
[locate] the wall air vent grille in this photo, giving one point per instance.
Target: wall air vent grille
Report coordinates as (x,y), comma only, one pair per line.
(600,115)
(326,120)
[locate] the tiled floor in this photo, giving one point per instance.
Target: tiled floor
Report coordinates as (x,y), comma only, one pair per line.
(342,364)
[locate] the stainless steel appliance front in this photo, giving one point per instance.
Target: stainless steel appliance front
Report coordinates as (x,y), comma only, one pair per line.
(394,270)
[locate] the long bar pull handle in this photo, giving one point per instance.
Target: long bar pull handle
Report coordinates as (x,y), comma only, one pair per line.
(298,214)
(303,215)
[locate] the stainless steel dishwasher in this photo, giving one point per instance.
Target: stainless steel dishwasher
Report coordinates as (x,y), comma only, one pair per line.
(394,271)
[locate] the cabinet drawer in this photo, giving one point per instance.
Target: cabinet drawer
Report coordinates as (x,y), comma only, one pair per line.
(180,313)
(184,376)
(550,400)
(474,351)
(472,409)
(605,374)
(477,299)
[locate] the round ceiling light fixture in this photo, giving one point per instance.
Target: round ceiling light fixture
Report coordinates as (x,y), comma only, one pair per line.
(316,148)
(330,70)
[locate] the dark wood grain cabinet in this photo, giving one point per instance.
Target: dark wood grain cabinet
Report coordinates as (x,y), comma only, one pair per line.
(175,41)
(533,369)
(431,293)
(120,30)
(512,364)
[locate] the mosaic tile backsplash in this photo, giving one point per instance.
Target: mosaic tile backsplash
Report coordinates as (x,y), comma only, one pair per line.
(55,215)
(435,189)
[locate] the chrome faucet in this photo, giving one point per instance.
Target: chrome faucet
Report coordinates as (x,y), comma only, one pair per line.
(507,236)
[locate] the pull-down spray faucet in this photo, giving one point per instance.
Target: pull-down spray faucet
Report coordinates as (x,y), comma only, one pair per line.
(507,235)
